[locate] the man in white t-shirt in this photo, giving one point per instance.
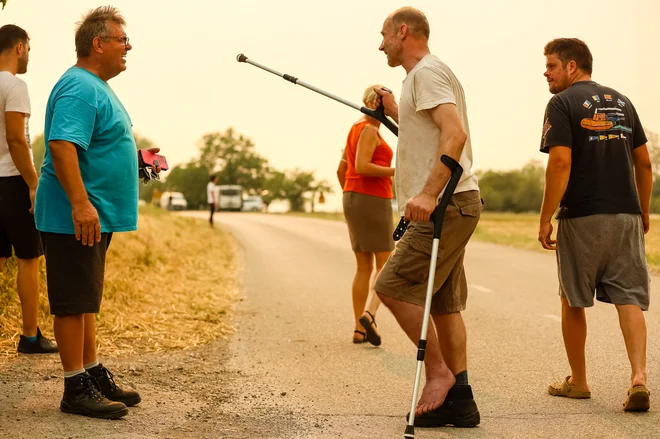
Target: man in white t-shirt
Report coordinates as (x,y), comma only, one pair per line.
(18,185)
(432,119)
(210,196)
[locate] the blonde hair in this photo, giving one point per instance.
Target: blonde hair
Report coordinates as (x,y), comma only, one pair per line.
(417,23)
(95,24)
(369,95)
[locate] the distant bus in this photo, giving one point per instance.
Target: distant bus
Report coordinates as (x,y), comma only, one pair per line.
(229,197)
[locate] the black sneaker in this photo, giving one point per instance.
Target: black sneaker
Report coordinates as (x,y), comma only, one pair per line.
(459,410)
(110,389)
(41,346)
(82,398)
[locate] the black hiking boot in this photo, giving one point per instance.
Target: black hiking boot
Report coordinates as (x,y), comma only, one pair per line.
(41,346)
(82,398)
(110,389)
(459,410)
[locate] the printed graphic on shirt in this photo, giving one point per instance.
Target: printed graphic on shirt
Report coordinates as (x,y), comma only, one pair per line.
(606,119)
(546,127)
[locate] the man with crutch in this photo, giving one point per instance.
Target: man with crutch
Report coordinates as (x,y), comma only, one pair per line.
(433,122)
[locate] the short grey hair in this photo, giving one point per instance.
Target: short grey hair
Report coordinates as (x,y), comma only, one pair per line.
(418,24)
(95,24)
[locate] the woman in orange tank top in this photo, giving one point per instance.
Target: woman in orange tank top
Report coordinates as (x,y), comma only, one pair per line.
(365,174)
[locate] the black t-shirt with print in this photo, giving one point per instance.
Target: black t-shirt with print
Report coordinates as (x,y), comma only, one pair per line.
(602,128)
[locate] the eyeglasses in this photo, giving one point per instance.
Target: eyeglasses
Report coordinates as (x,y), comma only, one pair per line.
(123,40)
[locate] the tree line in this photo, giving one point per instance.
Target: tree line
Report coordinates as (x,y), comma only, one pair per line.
(521,190)
(233,158)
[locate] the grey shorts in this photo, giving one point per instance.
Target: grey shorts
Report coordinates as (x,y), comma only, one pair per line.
(604,254)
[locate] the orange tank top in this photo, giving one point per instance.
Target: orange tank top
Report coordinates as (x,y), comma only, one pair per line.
(376,186)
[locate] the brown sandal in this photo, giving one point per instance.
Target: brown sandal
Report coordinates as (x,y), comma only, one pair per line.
(357,340)
(563,388)
(373,336)
(638,399)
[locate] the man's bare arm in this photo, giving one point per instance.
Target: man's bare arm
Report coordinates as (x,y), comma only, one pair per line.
(67,169)
(452,142)
(19,148)
(643,181)
(557,174)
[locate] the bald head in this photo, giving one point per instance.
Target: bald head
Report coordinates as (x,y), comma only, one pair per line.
(414,19)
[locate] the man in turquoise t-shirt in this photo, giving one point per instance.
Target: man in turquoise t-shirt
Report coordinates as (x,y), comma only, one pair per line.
(88,189)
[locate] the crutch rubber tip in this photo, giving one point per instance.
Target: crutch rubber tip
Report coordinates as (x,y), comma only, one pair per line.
(241,58)
(410,432)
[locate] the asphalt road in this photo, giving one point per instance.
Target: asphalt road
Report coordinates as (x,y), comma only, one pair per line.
(294,329)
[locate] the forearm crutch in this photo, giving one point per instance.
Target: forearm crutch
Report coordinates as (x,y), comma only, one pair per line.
(437,217)
(378,114)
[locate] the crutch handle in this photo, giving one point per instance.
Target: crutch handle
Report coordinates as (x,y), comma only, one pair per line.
(379,114)
(438,214)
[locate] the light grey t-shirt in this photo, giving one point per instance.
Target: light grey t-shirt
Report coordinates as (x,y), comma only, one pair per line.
(429,84)
(14,97)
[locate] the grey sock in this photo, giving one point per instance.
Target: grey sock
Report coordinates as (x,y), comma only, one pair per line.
(73,373)
(92,364)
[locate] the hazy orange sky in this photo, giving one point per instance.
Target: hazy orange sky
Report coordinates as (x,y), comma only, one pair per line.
(183,80)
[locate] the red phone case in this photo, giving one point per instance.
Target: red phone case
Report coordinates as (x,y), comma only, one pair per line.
(148,158)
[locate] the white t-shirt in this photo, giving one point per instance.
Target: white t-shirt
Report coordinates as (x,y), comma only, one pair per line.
(210,192)
(13,97)
(429,84)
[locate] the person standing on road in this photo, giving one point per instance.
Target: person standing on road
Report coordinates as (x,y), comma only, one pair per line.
(87,191)
(599,174)
(432,118)
(210,196)
(365,174)
(18,186)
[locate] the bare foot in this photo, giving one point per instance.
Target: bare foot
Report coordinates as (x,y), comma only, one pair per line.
(435,392)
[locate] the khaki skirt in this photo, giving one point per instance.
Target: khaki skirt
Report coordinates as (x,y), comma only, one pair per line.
(370,222)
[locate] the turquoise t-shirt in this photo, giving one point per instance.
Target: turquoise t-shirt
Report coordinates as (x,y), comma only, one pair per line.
(83,109)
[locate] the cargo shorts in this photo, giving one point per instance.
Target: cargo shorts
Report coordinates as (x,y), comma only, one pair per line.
(405,275)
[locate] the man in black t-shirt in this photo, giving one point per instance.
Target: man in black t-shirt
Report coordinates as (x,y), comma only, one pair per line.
(599,174)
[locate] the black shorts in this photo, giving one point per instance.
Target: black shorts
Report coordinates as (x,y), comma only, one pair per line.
(74,273)
(17,227)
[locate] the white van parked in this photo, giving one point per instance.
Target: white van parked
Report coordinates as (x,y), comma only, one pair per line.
(173,201)
(229,197)
(253,203)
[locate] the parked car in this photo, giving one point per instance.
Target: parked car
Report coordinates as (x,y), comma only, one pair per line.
(253,203)
(229,197)
(173,201)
